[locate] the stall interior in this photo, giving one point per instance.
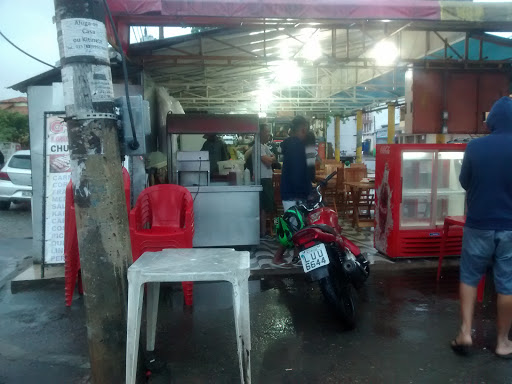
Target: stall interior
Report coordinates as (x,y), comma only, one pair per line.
(214,159)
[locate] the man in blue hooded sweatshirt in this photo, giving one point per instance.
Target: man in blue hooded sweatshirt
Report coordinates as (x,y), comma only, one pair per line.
(486,175)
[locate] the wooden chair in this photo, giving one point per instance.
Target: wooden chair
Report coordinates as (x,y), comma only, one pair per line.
(340,196)
(354,174)
(278,203)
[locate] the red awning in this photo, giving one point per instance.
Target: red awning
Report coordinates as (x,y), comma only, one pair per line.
(174,10)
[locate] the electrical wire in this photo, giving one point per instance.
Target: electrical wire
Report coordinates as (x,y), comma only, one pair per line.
(134,143)
(26,53)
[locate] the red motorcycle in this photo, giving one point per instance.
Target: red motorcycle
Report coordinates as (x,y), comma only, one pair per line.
(330,258)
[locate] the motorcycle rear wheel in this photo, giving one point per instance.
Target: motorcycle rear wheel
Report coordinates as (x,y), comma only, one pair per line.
(340,295)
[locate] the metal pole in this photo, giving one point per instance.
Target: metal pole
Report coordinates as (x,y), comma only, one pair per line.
(102,222)
(391,123)
(337,139)
(359,150)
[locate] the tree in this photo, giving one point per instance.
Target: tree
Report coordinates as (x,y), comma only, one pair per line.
(14,128)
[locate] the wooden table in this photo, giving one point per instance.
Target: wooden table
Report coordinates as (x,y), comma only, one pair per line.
(356,189)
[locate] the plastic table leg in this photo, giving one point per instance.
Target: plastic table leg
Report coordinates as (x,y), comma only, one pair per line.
(152,314)
(243,328)
(480,290)
(446,228)
(135,296)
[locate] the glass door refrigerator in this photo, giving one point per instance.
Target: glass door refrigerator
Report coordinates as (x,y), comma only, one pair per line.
(416,187)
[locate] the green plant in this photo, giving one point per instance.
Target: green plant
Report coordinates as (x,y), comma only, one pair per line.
(14,128)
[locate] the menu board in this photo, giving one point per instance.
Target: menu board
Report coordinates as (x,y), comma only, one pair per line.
(57,176)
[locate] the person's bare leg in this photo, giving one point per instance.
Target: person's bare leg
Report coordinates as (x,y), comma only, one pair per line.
(467,310)
(503,323)
(279,256)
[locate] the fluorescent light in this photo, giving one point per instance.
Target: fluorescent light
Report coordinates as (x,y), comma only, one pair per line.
(451,155)
(417,155)
(287,73)
(312,50)
(385,53)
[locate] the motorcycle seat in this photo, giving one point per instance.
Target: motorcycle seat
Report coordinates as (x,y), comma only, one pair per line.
(324,228)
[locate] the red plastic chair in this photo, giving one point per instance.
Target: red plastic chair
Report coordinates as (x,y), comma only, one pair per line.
(456,221)
(71,254)
(163,217)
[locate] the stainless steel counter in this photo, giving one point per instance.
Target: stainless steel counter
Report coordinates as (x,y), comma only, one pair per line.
(226,215)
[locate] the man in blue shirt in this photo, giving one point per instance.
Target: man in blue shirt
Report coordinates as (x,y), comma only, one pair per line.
(295,179)
(487,178)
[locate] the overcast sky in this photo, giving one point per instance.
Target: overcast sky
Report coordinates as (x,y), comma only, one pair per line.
(28,24)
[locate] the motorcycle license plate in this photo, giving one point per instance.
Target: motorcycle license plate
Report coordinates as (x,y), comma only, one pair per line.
(314,257)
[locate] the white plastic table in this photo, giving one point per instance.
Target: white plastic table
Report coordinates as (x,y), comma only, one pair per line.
(175,265)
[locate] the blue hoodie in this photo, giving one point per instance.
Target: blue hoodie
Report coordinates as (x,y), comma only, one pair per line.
(486,172)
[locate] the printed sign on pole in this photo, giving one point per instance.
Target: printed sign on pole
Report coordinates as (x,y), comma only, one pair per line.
(57,176)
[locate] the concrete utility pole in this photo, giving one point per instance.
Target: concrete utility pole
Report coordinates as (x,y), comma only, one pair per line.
(103,235)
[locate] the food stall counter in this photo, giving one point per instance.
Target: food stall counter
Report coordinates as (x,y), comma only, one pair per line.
(224,214)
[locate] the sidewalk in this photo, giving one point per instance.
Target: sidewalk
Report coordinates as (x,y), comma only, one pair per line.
(15,256)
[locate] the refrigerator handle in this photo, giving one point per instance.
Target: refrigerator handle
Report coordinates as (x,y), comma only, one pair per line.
(401,188)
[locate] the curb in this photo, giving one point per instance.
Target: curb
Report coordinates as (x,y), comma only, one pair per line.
(21,266)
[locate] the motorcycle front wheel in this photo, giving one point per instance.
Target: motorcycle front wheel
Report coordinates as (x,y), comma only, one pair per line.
(340,296)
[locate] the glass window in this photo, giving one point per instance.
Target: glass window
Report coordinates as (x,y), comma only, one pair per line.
(20,162)
(450,194)
(416,206)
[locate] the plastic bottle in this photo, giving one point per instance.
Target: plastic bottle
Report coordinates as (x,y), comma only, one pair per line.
(247,177)
(239,177)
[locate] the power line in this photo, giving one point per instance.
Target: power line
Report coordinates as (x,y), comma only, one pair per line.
(26,53)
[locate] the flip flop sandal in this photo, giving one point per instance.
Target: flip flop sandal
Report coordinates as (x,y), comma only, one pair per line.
(460,349)
(508,356)
(297,262)
(282,265)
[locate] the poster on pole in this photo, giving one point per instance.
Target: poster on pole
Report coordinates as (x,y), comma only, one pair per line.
(57,175)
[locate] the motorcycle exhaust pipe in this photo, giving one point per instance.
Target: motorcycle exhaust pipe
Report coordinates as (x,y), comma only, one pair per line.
(355,272)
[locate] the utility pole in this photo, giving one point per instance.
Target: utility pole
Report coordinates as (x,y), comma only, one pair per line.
(103,235)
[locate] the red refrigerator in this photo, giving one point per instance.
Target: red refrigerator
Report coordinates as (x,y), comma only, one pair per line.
(416,187)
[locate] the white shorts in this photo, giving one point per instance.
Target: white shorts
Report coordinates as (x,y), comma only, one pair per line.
(287,204)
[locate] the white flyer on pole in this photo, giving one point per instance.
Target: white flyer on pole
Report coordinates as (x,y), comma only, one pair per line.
(58,174)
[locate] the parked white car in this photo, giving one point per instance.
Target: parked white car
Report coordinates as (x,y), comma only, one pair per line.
(16,180)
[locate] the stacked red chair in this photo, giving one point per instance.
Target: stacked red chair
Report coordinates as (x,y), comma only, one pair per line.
(163,217)
(71,253)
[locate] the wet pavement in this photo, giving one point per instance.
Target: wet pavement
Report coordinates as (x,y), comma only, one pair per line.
(404,328)
(16,222)
(15,241)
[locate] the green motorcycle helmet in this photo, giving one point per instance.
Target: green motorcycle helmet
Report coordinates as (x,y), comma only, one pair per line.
(286,226)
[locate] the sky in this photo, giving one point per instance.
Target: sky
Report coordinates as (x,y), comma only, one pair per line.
(28,24)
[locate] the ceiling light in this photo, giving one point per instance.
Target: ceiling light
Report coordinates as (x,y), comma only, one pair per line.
(385,53)
(312,50)
(284,51)
(287,73)
(264,97)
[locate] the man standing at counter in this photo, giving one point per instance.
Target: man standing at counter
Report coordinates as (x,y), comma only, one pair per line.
(267,194)
(217,151)
(487,240)
(295,179)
